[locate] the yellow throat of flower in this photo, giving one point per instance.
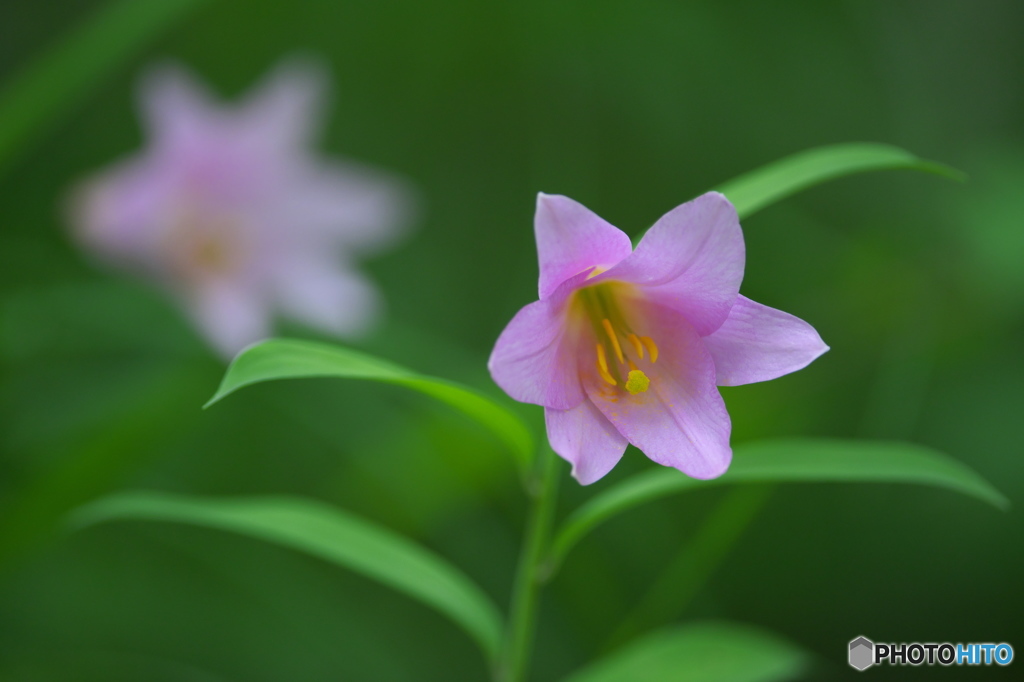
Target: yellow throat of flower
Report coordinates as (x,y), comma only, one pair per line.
(600,304)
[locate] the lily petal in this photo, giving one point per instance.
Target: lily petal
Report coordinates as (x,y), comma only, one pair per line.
(114,212)
(231,315)
(346,205)
(319,293)
(176,109)
(680,421)
(691,261)
(287,107)
(758,343)
(534,359)
(584,438)
(572,239)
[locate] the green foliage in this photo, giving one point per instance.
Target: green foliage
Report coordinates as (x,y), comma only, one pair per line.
(788,460)
(124,440)
(629,112)
(42,92)
(709,652)
(759,188)
(290,359)
(327,533)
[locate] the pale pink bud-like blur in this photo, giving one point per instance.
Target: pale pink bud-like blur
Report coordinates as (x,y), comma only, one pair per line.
(230,210)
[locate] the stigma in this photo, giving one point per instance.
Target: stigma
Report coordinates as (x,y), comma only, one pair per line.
(637,382)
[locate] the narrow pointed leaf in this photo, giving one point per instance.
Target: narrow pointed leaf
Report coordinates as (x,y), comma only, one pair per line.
(707,652)
(40,93)
(328,533)
(292,359)
(759,188)
(788,460)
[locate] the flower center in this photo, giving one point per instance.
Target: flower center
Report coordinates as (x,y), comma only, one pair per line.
(203,242)
(618,347)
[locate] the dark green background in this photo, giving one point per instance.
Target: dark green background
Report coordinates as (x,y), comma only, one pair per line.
(915,282)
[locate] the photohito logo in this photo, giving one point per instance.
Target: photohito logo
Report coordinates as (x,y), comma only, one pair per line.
(864,653)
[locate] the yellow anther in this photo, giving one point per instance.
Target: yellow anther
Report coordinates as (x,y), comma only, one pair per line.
(615,340)
(637,382)
(602,366)
(602,359)
(596,271)
(639,347)
(651,348)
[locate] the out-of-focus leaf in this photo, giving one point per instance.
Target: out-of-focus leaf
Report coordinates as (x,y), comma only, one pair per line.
(43,89)
(788,460)
(291,359)
(707,652)
(759,188)
(328,533)
(682,577)
(120,438)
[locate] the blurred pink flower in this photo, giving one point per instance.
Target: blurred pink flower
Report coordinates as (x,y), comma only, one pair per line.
(629,346)
(231,211)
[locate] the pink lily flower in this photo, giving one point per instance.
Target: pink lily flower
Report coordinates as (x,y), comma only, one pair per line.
(629,346)
(230,210)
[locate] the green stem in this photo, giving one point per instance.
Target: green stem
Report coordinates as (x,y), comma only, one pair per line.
(515,656)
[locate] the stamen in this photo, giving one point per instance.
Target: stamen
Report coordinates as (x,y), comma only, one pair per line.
(635,340)
(602,366)
(651,347)
(637,382)
(615,340)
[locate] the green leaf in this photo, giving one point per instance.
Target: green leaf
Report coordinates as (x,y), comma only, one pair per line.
(759,188)
(132,424)
(788,460)
(290,359)
(328,533)
(42,91)
(706,652)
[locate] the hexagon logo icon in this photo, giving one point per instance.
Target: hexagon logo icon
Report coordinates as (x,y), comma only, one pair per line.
(862,653)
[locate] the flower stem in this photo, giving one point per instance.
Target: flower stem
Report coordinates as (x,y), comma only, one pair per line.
(519,635)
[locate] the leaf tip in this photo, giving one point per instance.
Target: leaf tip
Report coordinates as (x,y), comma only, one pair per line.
(1000,501)
(215,398)
(943,170)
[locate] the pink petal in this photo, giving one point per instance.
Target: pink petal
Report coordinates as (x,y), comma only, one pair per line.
(758,343)
(120,212)
(345,205)
(691,260)
(534,359)
(230,315)
(681,420)
(287,107)
(175,108)
(323,295)
(572,239)
(585,439)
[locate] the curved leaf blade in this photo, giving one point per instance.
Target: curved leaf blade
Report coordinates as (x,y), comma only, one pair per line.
(328,533)
(292,359)
(764,186)
(40,93)
(788,460)
(706,652)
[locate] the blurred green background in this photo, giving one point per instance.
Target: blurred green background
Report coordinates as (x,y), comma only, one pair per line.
(916,283)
